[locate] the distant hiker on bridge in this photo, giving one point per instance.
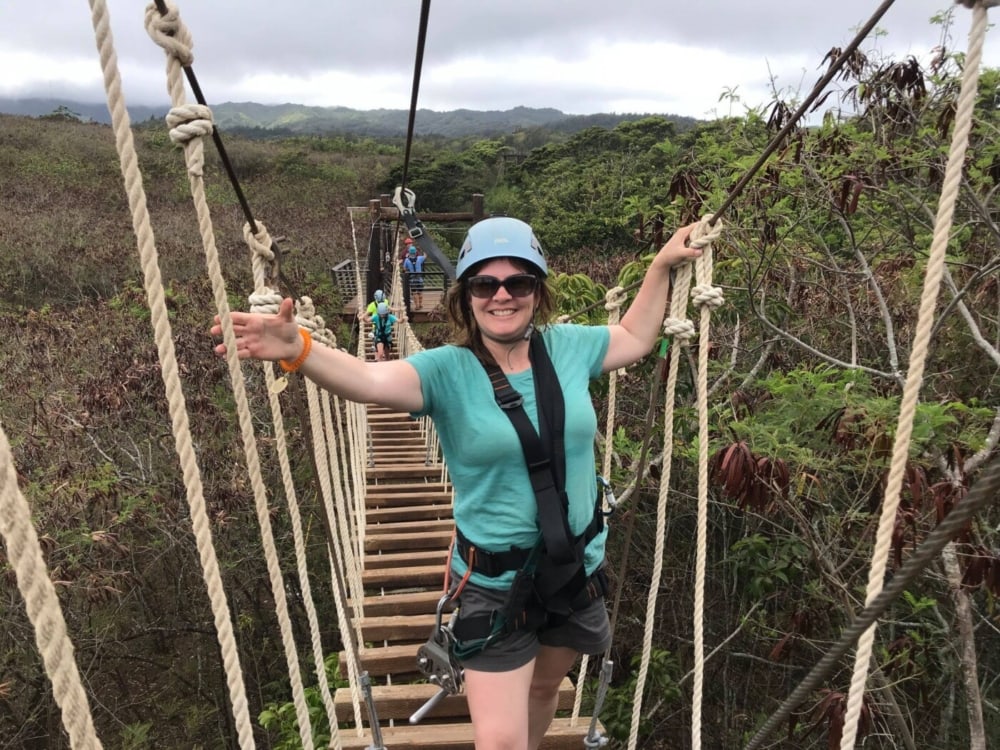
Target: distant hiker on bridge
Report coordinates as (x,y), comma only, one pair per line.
(528,567)
(382,325)
(372,308)
(414,268)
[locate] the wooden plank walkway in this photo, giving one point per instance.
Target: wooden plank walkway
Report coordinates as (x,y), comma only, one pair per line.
(409,526)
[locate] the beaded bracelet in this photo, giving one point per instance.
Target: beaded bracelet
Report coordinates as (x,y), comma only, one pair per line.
(307,343)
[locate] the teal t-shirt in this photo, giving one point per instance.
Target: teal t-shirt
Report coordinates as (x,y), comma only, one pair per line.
(494,503)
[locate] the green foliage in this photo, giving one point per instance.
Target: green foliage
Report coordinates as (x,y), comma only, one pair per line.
(280,718)
(661,687)
(768,565)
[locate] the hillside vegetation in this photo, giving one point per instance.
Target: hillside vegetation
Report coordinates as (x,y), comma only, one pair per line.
(821,263)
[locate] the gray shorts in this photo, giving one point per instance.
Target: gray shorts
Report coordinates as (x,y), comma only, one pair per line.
(587,631)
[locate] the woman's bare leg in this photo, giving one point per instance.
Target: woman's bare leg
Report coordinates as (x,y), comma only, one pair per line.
(498,705)
(551,665)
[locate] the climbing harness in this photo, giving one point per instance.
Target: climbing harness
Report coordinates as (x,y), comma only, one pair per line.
(550,581)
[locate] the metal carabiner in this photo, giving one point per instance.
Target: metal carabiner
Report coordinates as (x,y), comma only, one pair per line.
(407,207)
(609,496)
(436,659)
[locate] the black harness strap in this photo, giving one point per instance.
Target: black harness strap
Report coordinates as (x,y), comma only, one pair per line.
(547,474)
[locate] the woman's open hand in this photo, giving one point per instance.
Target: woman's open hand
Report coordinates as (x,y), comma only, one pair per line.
(260,336)
(676,251)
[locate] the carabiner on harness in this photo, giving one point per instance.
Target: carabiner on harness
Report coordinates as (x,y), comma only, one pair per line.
(436,659)
(609,496)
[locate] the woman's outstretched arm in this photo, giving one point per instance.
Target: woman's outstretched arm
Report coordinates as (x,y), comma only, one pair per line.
(272,337)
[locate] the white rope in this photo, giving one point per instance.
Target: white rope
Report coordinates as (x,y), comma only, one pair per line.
(614,298)
(189,124)
(678,328)
(706,297)
(918,355)
(153,284)
(24,552)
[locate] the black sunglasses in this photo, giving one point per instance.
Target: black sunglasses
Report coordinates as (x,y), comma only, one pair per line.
(518,285)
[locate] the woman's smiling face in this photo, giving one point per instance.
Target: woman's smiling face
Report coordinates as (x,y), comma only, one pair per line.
(503,318)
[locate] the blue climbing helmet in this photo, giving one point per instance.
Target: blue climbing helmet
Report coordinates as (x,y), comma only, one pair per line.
(379,295)
(382,309)
(500,237)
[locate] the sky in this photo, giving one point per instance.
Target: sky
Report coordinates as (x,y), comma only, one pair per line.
(700,59)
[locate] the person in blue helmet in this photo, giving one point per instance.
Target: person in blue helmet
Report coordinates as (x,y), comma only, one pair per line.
(382,324)
(371,310)
(501,311)
(413,266)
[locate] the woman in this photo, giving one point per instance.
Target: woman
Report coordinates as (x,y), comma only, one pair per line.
(499,299)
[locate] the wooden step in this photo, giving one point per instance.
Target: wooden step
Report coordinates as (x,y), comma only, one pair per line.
(410,540)
(390,458)
(429,527)
(395,628)
(417,485)
(402,701)
(403,578)
(402,470)
(409,603)
(561,736)
(379,661)
(408,513)
(400,559)
(402,499)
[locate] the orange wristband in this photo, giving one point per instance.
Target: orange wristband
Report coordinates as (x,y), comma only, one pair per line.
(307,343)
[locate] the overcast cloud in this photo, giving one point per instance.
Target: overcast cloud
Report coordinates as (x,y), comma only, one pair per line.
(580,57)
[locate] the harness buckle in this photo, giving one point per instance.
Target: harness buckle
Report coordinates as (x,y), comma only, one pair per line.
(508,404)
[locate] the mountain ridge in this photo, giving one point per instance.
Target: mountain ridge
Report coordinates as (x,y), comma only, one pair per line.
(288,119)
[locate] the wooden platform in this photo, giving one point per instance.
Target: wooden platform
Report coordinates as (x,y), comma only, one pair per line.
(408,529)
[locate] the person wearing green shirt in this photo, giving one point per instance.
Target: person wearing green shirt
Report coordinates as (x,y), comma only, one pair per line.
(499,306)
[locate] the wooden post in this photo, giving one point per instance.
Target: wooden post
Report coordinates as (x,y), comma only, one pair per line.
(477,207)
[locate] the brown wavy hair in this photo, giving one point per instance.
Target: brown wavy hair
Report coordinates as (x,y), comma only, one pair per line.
(464,330)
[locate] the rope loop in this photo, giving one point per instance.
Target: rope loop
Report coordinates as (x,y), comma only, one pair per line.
(614,298)
(169,32)
(706,295)
(265,300)
(680,329)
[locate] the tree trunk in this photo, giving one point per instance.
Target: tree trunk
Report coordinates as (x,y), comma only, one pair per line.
(966,649)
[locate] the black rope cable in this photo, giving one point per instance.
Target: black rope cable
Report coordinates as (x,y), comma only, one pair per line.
(984,491)
(161,6)
(418,64)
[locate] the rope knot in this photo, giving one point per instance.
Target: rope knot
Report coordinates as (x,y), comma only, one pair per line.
(614,298)
(169,32)
(265,300)
(706,295)
(705,234)
(563,319)
(188,123)
(305,315)
(680,328)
